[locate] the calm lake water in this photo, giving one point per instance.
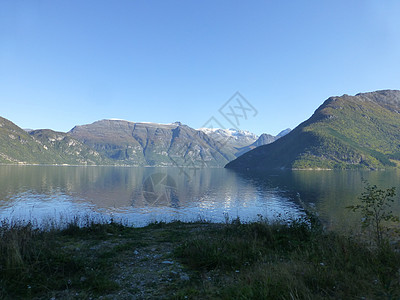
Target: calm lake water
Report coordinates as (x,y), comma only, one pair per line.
(141,195)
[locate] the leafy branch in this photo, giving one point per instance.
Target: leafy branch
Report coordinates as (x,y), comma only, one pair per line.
(376,210)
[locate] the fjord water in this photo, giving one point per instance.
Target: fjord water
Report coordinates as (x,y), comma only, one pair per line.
(142,195)
(135,195)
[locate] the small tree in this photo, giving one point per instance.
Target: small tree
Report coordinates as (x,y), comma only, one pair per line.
(376,210)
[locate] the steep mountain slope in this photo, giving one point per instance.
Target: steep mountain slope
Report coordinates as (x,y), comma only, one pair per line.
(67,150)
(361,131)
(16,145)
(42,147)
(153,144)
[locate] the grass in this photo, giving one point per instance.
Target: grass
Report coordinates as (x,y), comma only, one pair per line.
(34,262)
(257,260)
(260,261)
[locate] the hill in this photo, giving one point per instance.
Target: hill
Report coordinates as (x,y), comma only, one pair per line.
(361,131)
(42,147)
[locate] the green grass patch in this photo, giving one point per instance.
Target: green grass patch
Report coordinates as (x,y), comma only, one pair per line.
(263,261)
(193,261)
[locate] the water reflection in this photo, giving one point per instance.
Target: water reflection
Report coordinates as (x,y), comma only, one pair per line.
(328,192)
(332,191)
(138,194)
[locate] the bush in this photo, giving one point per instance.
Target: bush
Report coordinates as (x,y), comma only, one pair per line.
(375,209)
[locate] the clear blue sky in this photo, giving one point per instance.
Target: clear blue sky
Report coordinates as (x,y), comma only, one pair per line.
(64,63)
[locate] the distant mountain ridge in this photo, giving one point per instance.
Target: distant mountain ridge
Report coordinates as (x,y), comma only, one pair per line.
(233,137)
(361,131)
(121,142)
(152,144)
(263,139)
(284,132)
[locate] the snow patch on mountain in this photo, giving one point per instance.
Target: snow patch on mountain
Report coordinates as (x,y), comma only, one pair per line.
(234,133)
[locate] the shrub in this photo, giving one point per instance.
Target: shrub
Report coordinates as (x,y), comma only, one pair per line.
(375,209)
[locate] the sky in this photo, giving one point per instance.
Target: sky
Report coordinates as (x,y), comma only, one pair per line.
(67,62)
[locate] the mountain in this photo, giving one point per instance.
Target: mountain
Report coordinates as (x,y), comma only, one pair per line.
(120,142)
(67,150)
(42,147)
(284,132)
(263,139)
(153,144)
(361,131)
(231,137)
(16,145)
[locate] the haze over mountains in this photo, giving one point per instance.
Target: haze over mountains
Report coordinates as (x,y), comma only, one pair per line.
(120,142)
(346,132)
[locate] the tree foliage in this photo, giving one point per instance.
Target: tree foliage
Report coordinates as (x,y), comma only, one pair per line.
(375,208)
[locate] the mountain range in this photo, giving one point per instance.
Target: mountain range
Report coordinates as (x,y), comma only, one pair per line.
(120,142)
(152,144)
(347,132)
(231,137)
(263,139)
